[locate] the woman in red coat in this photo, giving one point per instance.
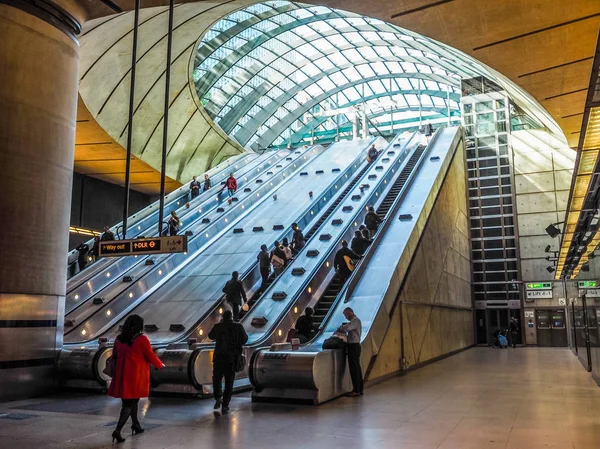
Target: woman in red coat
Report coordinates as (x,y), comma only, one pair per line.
(133,355)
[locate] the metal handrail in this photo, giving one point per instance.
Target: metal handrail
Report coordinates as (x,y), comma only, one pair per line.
(348,289)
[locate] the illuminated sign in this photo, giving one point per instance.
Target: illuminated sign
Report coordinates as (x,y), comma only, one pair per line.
(539,286)
(587,284)
(158,245)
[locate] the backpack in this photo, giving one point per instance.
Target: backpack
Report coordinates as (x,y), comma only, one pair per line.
(373,153)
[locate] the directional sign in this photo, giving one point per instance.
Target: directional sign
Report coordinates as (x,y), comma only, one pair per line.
(587,284)
(539,286)
(539,294)
(158,245)
(593,293)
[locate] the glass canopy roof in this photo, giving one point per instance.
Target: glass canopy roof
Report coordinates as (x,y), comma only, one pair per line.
(281,72)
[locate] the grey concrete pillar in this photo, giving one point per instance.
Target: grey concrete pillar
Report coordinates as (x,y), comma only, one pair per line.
(38,100)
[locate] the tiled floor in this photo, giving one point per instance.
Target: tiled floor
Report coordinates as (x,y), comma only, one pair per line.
(525,398)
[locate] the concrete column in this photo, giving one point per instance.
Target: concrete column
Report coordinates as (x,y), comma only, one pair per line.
(38,101)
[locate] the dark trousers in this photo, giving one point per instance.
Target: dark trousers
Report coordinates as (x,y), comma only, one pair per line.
(343,276)
(223,370)
(195,193)
(235,308)
(264,274)
(82,263)
(129,407)
(354,367)
(513,337)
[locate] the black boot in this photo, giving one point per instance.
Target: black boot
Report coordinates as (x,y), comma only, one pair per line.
(123,417)
(136,427)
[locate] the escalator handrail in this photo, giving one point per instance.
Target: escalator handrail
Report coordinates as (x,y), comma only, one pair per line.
(219,302)
(347,290)
(357,273)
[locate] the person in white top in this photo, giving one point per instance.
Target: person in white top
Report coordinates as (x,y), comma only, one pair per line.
(353,330)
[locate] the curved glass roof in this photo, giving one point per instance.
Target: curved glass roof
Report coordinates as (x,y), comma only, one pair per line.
(274,73)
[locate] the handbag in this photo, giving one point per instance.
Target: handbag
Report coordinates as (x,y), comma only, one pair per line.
(111,364)
(334,343)
(240,363)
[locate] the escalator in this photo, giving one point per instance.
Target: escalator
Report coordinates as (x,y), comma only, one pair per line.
(314,375)
(313,230)
(148,215)
(331,293)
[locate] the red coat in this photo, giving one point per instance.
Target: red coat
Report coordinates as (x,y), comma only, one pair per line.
(231,184)
(132,374)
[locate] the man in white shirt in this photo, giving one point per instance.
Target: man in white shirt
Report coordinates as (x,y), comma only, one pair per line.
(353,330)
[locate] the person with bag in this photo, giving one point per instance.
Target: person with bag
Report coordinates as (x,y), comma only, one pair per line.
(174,224)
(344,262)
(129,367)
(229,337)
(285,247)
(235,294)
(353,329)
(359,244)
(278,258)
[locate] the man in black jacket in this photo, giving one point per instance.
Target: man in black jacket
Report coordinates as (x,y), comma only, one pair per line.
(264,263)
(344,262)
(107,235)
(359,244)
(305,325)
(195,188)
(229,337)
(297,239)
(234,293)
(372,221)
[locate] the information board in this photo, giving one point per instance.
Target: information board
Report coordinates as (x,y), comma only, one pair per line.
(157,245)
(539,294)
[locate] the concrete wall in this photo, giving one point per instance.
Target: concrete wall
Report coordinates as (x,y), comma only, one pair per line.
(96,203)
(433,314)
(543,167)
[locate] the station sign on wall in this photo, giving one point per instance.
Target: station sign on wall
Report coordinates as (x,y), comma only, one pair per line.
(157,245)
(538,290)
(539,294)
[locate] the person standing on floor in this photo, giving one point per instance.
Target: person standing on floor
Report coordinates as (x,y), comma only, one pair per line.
(229,337)
(514,331)
(353,330)
(235,294)
(264,263)
(195,187)
(131,381)
(344,262)
(207,184)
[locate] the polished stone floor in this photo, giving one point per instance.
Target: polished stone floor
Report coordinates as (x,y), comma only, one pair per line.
(524,398)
